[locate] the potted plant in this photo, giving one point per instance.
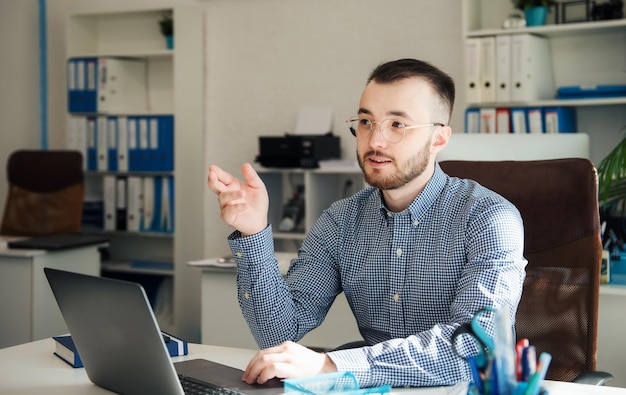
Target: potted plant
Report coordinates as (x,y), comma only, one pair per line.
(535,11)
(166,25)
(612,178)
(612,194)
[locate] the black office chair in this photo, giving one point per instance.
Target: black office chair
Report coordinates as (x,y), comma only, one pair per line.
(46,193)
(558,202)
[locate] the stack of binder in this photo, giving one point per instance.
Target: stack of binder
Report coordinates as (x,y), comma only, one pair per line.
(106,85)
(99,90)
(139,203)
(520,120)
(150,143)
(93,214)
(123,144)
(504,72)
(508,68)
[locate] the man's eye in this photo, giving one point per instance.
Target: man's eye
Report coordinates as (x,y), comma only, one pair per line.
(364,122)
(397,125)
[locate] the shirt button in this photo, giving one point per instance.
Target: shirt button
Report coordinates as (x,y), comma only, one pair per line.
(415,223)
(246,296)
(389,214)
(396,297)
(239,255)
(399,252)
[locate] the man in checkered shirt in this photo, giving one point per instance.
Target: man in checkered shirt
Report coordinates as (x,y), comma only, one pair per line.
(416,253)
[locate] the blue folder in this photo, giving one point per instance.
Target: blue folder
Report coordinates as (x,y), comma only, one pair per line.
(591,91)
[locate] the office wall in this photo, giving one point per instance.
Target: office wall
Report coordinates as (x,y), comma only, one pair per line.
(267,58)
(19,78)
(264,59)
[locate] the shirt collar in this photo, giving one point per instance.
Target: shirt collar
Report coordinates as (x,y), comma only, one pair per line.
(424,200)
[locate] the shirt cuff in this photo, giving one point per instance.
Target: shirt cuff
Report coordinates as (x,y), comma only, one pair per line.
(354,361)
(250,249)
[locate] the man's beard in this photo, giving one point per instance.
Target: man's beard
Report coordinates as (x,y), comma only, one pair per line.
(406,172)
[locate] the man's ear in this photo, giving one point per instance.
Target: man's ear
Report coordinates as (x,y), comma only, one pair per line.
(440,138)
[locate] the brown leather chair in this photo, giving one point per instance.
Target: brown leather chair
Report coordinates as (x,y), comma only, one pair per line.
(45,195)
(558,202)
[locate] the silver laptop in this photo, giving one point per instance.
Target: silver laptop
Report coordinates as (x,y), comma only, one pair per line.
(120,343)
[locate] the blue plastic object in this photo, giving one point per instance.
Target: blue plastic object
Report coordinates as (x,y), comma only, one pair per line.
(591,91)
(331,383)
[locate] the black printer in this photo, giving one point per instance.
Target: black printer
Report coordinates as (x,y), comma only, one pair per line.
(293,150)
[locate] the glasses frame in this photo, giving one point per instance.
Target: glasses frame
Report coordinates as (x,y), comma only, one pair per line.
(372,123)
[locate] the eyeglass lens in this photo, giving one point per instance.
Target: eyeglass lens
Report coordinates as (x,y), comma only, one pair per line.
(392,131)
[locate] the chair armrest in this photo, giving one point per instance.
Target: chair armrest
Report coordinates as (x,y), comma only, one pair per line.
(353,344)
(593,378)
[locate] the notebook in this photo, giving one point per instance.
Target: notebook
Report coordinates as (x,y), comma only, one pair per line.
(57,242)
(120,343)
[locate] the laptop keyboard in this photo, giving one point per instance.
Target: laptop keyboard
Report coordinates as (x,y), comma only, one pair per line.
(195,387)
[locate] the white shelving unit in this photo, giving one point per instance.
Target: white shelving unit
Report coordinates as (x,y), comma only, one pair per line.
(321,186)
(611,341)
(587,53)
(175,81)
(582,54)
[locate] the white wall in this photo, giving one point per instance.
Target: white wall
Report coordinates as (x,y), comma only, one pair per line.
(19,78)
(267,58)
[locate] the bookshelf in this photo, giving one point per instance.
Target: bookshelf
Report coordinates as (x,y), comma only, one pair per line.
(174,83)
(584,53)
(321,187)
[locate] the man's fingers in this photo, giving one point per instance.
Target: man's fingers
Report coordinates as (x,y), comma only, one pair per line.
(251,176)
(243,204)
(260,366)
(279,370)
(219,180)
(230,198)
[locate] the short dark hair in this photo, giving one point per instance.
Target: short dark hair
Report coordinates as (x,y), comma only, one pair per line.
(441,82)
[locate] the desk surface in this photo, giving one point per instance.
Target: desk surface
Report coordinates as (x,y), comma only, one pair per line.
(5,251)
(32,368)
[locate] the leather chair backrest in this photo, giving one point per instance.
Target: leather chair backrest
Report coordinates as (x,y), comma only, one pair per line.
(46,193)
(558,203)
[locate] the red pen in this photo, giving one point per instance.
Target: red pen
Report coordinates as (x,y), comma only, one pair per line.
(519,349)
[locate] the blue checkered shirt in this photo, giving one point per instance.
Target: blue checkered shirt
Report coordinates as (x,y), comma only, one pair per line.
(410,278)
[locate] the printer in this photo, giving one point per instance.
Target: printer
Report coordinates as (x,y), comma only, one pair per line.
(295,150)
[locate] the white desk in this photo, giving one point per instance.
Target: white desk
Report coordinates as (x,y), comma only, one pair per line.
(224,325)
(28,309)
(33,369)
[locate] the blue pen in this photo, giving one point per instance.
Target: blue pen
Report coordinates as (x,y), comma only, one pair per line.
(529,362)
(478,383)
(383,389)
(495,386)
(534,384)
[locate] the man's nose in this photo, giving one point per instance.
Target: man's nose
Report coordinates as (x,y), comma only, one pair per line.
(377,139)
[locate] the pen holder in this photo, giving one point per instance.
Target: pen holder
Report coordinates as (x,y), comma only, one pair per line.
(521,387)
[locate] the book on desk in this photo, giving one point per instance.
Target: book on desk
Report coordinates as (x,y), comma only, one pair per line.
(66,350)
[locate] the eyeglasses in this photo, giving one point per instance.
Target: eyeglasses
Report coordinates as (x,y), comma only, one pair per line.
(392,130)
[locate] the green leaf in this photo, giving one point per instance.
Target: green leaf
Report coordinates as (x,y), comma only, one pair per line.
(612,175)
